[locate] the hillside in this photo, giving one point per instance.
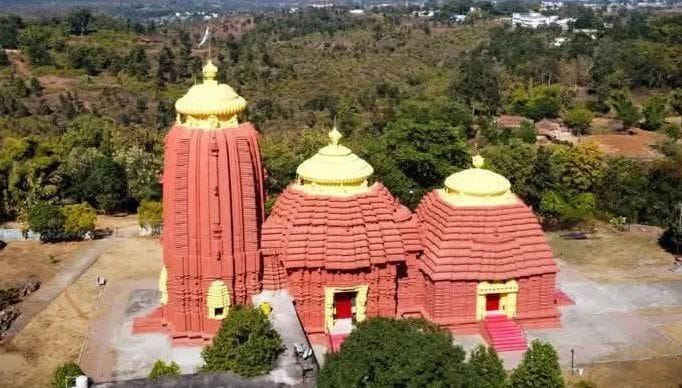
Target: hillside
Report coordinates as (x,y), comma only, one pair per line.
(87,100)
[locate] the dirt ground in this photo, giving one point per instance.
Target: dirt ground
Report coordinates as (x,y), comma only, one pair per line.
(608,255)
(56,335)
(639,144)
(656,373)
(22,261)
(124,225)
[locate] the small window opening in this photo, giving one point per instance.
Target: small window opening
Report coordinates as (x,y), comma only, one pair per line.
(218,311)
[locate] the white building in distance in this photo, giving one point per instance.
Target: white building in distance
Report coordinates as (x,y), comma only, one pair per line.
(535,20)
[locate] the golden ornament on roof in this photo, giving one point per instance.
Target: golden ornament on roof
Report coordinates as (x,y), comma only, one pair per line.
(478,187)
(210,105)
(334,169)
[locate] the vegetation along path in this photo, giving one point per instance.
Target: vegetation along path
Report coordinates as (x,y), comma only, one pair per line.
(50,290)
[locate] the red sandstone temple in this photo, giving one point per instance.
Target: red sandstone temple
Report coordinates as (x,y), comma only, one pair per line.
(472,258)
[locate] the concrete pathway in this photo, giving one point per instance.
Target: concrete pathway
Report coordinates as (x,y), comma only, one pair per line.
(285,320)
(50,290)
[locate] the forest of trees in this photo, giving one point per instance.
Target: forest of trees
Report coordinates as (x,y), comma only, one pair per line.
(415,98)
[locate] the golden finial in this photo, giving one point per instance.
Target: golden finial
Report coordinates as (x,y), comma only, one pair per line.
(210,71)
(334,136)
(478,161)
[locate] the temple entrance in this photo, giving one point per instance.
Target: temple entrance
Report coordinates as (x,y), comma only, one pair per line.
(493,298)
(343,305)
(492,302)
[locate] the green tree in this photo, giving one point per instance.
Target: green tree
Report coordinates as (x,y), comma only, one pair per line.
(537,102)
(165,71)
(35,43)
(383,352)
(78,21)
(137,64)
(150,215)
(626,111)
(142,170)
(653,111)
(671,239)
(620,186)
(579,120)
(579,167)
(528,133)
(516,162)
(539,368)
(65,374)
(487,368)
(102,184)
(424,143)
(45,218)
(161,369)
(673,131)
(245,344)
(4,59)
(88,131)
(676,101)
(663,194)
(479,82)
(33,171)
(79,219)
(9,30)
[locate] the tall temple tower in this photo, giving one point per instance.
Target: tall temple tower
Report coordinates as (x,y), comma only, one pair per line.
(213,208)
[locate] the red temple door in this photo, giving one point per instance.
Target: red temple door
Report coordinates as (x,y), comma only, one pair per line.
(344,305)
(492,302)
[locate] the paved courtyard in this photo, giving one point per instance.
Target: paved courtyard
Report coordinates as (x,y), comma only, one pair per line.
(614,321)
(610,321)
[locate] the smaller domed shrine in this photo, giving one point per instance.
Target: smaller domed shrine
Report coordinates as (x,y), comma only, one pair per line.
(484,253)
(339,244)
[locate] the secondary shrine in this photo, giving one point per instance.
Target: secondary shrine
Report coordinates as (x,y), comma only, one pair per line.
(472,258)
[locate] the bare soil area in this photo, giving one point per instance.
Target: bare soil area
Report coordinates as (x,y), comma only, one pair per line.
(639,144)
(656,373)
(22,261)
(608,255)
(56,335)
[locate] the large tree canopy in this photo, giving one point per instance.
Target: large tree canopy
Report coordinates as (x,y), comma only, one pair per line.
(383,352)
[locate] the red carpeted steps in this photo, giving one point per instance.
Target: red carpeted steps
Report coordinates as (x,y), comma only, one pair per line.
(505,335)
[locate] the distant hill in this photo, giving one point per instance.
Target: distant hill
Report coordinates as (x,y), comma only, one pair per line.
(130,8)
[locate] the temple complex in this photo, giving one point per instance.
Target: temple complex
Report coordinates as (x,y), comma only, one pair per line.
(471,258)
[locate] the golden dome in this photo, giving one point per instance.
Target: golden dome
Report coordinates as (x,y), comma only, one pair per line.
(210,105)
(478,187)
(334,170)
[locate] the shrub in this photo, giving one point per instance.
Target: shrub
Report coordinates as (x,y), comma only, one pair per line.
(79,219)
(45,218)
(539,368)
(245,344)
(488,368)
(150,215)
(162,369)
(64,375)
(560,213)
(579,120)
(528,133)
(383,352)
(671,239)
(653,111)
(673,131)
(625,110)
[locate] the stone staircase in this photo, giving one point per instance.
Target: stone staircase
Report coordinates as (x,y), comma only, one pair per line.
(505,334)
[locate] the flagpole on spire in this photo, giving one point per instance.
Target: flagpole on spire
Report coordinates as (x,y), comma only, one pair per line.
(206,38)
